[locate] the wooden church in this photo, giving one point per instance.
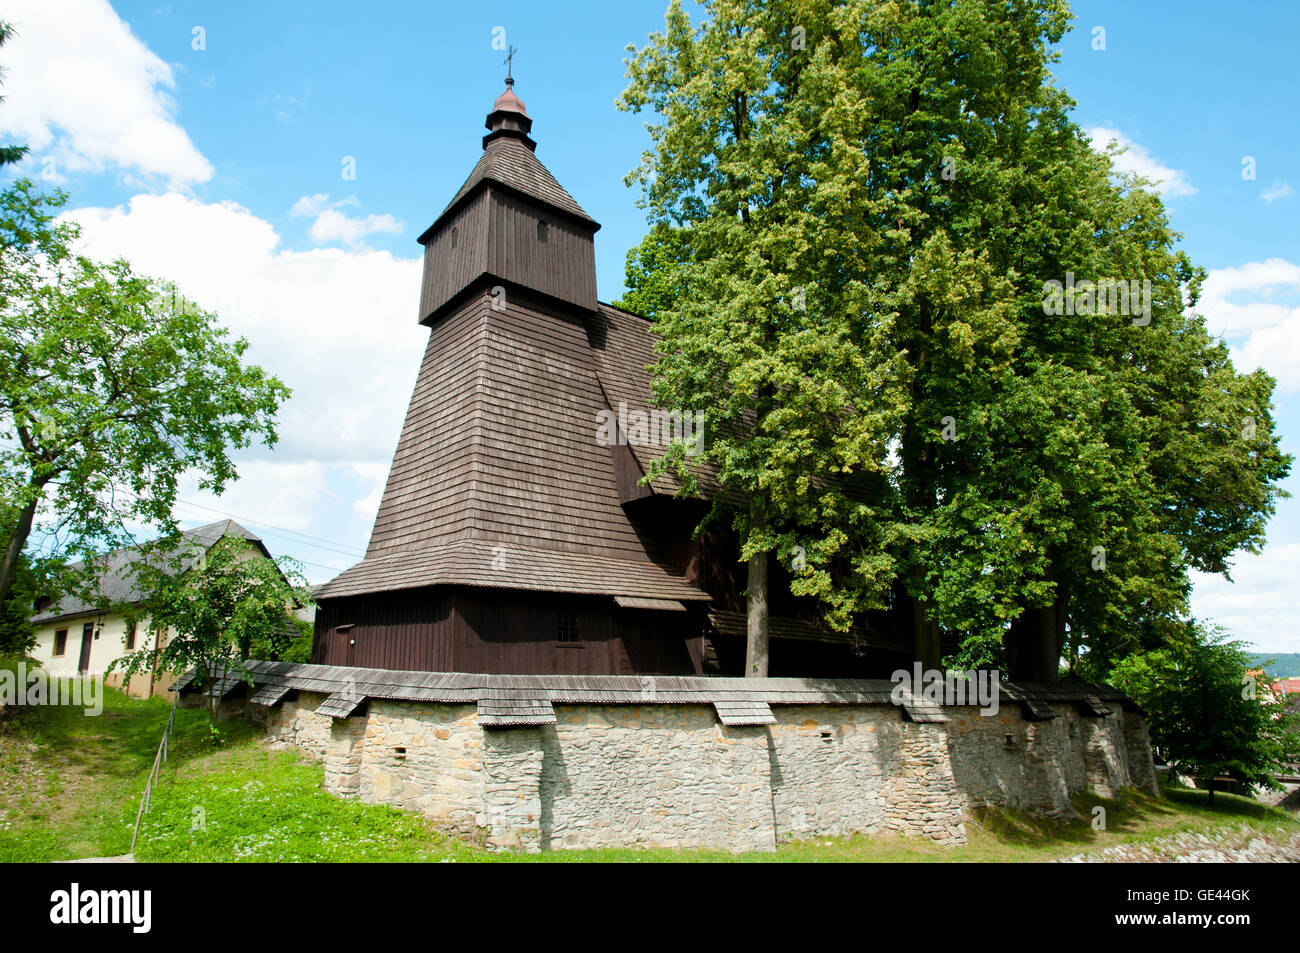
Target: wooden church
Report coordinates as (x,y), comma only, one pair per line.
(511,539)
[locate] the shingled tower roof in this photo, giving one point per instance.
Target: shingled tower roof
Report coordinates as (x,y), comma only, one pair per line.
(508,159)
(499,479)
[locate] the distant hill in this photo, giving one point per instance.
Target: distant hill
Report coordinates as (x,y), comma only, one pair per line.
(1284,664)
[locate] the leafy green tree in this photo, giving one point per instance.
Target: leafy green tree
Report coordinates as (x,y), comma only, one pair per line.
(112,387)
(1208,714)
(758,200)
(910,169)
(9,154)
(17,633)
(284,644)
(219,605)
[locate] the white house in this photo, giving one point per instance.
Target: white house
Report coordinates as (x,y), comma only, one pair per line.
(74,637)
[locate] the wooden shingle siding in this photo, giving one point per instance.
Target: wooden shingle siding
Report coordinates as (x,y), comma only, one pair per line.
(505,707)
(476,563)
(340,704)
(732,694)
(510,162)
(498,478)
(623,347)
(490,234)
(744,712)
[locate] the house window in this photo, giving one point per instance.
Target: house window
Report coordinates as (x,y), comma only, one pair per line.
(130,637)
(568,626)
(542,232)
(60,642)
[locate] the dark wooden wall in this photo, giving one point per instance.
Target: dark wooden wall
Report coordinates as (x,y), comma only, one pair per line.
(564,266)
(449,270)
(505,632)
(412,631)
(496,235)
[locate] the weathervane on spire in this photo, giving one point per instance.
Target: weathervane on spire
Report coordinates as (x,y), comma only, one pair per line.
(510,55)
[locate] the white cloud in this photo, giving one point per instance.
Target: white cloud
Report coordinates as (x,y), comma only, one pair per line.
(268,492)
(1261,605)
(1137,160)
(82,89)
(331,225)
(377,474)
(338,326)
(1278,190)
(310,206)
(1256,307)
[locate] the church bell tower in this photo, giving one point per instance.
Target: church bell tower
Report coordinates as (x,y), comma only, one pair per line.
(511,227)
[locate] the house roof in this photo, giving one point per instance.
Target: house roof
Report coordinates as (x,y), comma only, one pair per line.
(118,584)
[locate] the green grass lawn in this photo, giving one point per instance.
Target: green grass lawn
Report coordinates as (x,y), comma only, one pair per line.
(70,786)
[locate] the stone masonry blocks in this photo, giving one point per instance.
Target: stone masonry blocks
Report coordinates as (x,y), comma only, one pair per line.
(670,775)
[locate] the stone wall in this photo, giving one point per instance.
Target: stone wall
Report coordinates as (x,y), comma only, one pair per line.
(1037,765)
(296,723)
(670,775)
(424,758)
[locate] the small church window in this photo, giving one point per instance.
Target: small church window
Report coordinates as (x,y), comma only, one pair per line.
(568,626)
(455,235)
(60,641)
(130,637)
(542,232)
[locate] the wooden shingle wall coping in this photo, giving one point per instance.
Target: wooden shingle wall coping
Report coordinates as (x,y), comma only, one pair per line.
(504,700)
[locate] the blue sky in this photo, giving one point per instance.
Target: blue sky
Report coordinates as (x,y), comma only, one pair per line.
(222,167)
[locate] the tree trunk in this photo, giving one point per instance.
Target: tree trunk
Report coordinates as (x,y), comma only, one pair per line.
(1035,641)
(14,550)
(757,619)
(756,616)
(209,687)
(925,632)
(918,467)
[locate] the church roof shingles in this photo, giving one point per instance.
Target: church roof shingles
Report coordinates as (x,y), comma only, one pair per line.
(499,479)
(509,162)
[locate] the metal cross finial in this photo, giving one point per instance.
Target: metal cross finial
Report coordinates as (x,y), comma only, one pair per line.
(510,55)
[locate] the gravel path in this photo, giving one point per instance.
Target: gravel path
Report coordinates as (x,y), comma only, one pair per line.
(1225,845)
